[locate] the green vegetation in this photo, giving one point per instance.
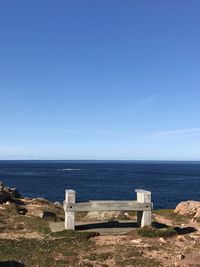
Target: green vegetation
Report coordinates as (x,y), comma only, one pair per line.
(153,232)
(133,256)
(46,252)
(139,262)
(42,248)
(99,257)
(21,222)
(169,214)
(128,251)
(74,234)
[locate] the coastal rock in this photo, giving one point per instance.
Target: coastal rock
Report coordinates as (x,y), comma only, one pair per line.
(136,241)
(162,240)
(189,208)
(43,208)
(7,193)
(197,215)
(12,192)
(103,215)
(22,210)
(126,215)
(4,197)
(49,215)
(40,201)
(58,203)
(1,186)
(181,256)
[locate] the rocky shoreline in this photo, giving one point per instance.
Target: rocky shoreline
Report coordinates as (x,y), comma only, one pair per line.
(26,238)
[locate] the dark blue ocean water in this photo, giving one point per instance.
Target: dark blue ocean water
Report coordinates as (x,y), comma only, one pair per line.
(170,182)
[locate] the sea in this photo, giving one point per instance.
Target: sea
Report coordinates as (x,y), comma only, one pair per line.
(169,181)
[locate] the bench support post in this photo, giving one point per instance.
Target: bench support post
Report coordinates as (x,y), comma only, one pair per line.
(70,196)
(143,217)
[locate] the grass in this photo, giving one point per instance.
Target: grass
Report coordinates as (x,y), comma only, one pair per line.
(7,211)
(133,256)
(19,223)
(169,214)
(86,264)
(130,252)
(153,232)
(65,251)
(54,249)
(142,262)
(72,248)
(74,234)
(99,256)
(128,255)
(35,252)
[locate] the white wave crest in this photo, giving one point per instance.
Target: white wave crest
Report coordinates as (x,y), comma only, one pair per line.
(70,169)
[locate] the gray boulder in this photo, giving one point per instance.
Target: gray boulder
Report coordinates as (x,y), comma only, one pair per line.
(7,193)
(4,196)
(12,192)
(1,186)
(49,215)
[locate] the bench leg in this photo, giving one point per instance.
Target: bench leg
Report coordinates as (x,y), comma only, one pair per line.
(143,217)
(70,196)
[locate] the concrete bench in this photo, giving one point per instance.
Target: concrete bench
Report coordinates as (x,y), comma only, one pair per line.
(142,205)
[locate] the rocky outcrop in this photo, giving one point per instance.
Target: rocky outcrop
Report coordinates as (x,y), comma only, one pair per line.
(7,193)
(103,215)
(189,208)
(49,215)
(4,197)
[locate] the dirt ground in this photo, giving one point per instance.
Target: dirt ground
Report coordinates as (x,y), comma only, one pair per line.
(182,250)
(26,238)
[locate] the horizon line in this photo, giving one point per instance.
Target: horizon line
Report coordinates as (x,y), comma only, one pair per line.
(166,160)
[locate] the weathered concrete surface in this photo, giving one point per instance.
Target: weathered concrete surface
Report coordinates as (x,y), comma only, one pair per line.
(70,198)
(103,228)
(143,217)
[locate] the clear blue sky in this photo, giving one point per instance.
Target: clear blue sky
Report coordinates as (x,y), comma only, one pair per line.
(103,79)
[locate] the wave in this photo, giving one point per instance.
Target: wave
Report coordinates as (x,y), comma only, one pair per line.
(70,169)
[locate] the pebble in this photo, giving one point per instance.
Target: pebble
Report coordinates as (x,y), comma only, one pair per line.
(181,238)
(162,240)
(57,203)
(136,241)
(126,215)
(181,257)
